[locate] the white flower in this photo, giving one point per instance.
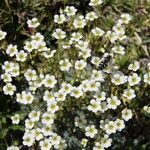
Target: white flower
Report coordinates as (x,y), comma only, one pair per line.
(13,148)
(49,81)
(66,44)
(119,79)
(97,31)
(65,65)
(110,127)
(80,121)
(147,109)
(37,133)
(106,141)
(29,124)
(129,94)
(84,85)
(91,131)
(134,79)
(82,45)
(104,107)
(84,142)
(9,89)
(113,37)
(70,10)
(94,106)
(15,119)
(19,98)
(134,66)
(97,75)
(95,2)
(76,36)
(32,86)
(41,46)
(34,116)
(80,64)
(47,130)
(55,139)
(93,85)
(59,18)
(80,22)
(47,118)
(49,53)
(100,96)
(26,98)
(59,34)
(28,139)
(61,146)
(11,50)
(48,96)
(21,56)
(108,34)
(118,29)
(147,78)
(66,87)
(60,95)
(76,92)
(38,37)
(126,18)
(8,66)
(126,114)
(45,144)
(95,61)
(52,107)
(120,124)
(15,70)
(85,53)
(33,23)
(30,75)
(91,16)
(11,68)
(30,46)
(119,50)
(39,80)
(113,102)
(103,122)
(2,34)
(97,146)
(6,77)
(121,36)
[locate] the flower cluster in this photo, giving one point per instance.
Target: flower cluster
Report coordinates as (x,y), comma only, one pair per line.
(66,99)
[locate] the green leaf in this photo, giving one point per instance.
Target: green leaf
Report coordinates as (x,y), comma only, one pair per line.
(3,133)
(17,127)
